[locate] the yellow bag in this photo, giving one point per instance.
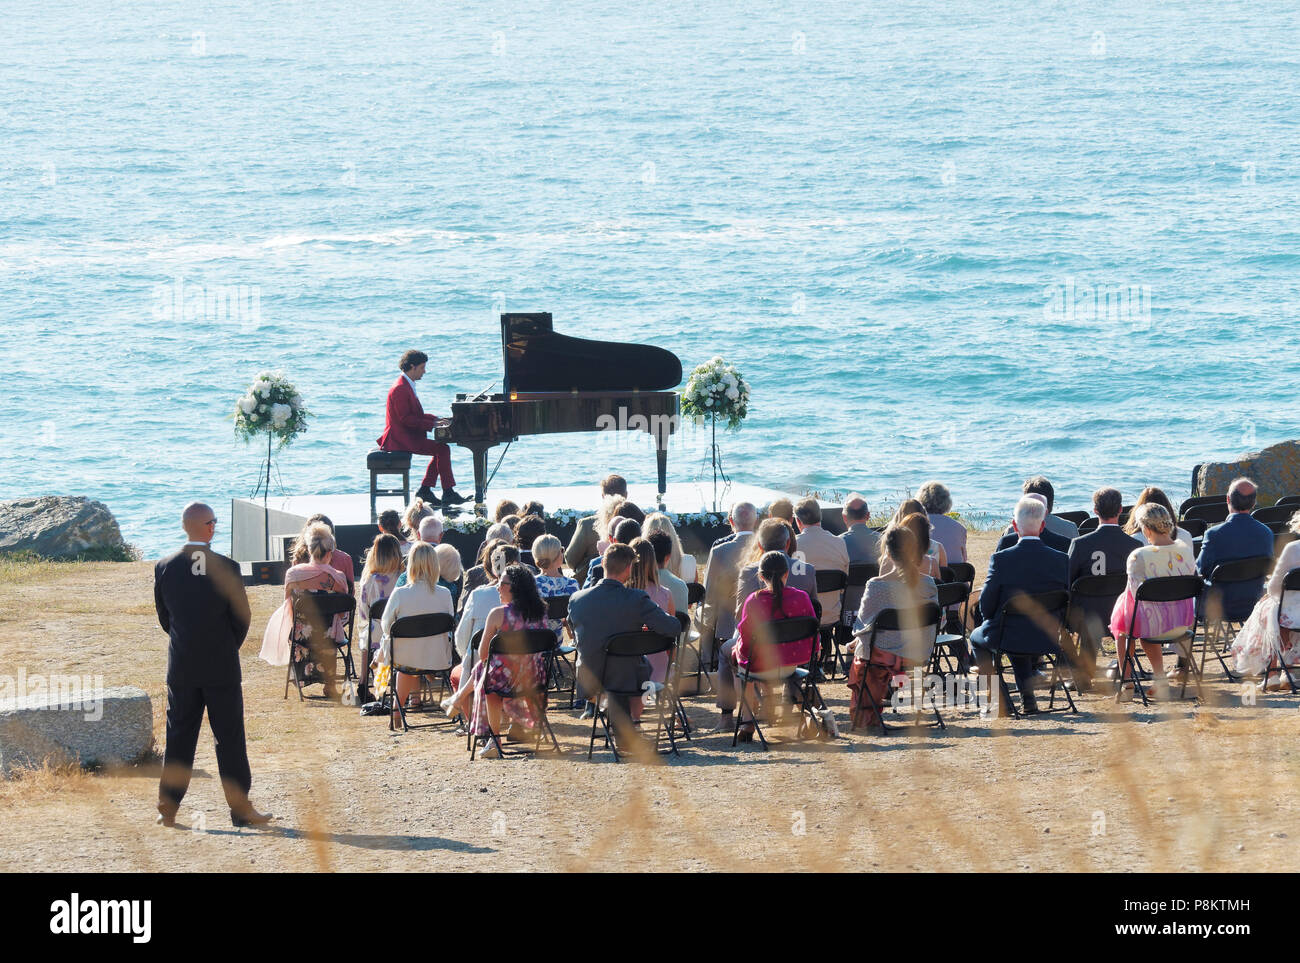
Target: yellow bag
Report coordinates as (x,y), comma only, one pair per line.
(383,675)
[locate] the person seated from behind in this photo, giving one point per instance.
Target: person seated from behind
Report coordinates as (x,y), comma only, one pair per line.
(526,531)
(754,650)
(782,508)
(682,564)
(449,569)
(936,501)
(340,560)
(1055,524)
(477,576)
(931,552)
(624,531)
(662,543)
(474,615)
(390,523)
(823,551)
(1030,567)
(1240,536)
(378,580)
(717,614)
(504,508)
(1273,628)
(1156,621)
(430,533)
(582,546)
(415,513)
(904,588)
(1103,551)
(645,576)
(421,595)
(863,544)
(548,553)
(506,684)
(313,652)
(618,508)
(1051,539)
(1153,495)
(531,508)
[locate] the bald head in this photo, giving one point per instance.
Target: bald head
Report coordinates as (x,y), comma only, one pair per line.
(1241,495)
(855,509)
(744,516)
(199,522)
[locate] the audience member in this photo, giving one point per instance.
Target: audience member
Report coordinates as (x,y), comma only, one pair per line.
(947,531)
(1051,539)
(680,563)
(1240,536)
(313,646)
(378,580)
(582,546)
(504,509)
(662,543)
(645,576)
(863,544)
(1103,551)
(782,508)
(449,569)
(478,575)
(548,553)
(623,531)
(1055,523)
(474,615)
(1153,495)
(717,618)
(340,560)
(823,551)
(390,523)
(1273,628)
(421,595)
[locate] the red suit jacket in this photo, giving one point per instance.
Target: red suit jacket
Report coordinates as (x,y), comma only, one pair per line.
(405,423)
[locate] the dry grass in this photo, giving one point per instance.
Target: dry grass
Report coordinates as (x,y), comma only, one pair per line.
(1180,787)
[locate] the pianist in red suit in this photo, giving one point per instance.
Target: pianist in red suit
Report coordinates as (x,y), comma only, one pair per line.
(406,427)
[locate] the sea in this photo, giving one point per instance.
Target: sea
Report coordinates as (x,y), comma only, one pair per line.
(968,241)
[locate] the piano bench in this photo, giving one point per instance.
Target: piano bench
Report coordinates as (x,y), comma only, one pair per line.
(381,462)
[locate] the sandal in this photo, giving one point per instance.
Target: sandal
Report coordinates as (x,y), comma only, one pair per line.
(746,732)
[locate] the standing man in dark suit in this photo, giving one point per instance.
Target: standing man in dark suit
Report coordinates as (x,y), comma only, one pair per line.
(1239,537)
(604,610)
(406,427)
(1028,567)
(1104,551)
(202,606)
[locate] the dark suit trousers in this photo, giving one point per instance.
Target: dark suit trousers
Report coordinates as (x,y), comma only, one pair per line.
(225,705)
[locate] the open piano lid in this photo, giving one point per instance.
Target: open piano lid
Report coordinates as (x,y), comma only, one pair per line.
(538,359)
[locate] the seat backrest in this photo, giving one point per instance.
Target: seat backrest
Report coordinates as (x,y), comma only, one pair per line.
(953,593)
(1241,570)
(522,642)
(694,593)
(1078,518)
(1169,588)
(422,626)
(963,572)
(1201,500)
(1274,513)
(946,574)
(1035,605)
(1291,581)
(557,607)
(377,608)
(1194,527)
(860,573)
(831,580)
(329,604)
(780,631)
(266,573)
(1288,500)
(920,617)
(684,620)
(1089,524)
(626,645)
(1098,586)
(1211,513)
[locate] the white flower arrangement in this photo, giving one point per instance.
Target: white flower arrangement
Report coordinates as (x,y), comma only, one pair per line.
(716,390)
(271,406)
(469,524)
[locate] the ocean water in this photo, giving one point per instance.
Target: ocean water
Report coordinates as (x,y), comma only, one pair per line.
(894,218)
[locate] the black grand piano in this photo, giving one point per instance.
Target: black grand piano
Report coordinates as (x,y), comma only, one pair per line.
(555,383)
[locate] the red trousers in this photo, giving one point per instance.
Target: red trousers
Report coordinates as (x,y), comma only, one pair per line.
(439,463)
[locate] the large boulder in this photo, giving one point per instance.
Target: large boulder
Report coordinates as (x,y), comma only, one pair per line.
(59,526)
(1276,470)
(73,719)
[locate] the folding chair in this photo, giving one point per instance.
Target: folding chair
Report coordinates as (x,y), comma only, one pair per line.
(695,596)
(1089,525)
(1047,611)
(416,627)
(1225,629)
(318,609)
(628,646)
(1289,500)
(1196,500)
(778,632)
(561,660)
(1211,513)
(830,581)
(1274,513)
(860,573)
(523,643)
(921,618)
(376,615)
(1078,518)
(952,647)
(1194,527)
(1290,583)
(1168,588)
(1086,588)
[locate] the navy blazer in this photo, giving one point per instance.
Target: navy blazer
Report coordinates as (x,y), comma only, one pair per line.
(1030,567)
(201,604)
(1049,538)
(1239,537)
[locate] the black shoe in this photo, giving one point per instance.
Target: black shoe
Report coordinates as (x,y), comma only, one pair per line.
(249,817)
(426,495)
(452,497)
(1029,705)
(166,817)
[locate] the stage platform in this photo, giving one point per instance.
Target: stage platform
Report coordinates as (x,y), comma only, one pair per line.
(351,514)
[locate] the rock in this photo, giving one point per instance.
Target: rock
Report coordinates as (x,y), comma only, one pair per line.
(58,526)
(1276,470)
(86,724)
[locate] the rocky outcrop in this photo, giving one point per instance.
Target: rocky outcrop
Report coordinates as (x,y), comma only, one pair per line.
(63,719)
(59,526)
(1276,470)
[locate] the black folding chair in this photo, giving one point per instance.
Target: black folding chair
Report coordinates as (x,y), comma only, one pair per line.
(1211,513)
(1289,500)
(629,646)
(1047,611)
(1274,513)
(416,627)
(318,609)
(860,573)
(562,669)
(1089,525)
(1078,518)
(1196,500)
(1290,583)
(1194,527)
(1218,630)
(1168,588)
(521,643)
(951,654)
(829,582)
(778,632)
(1085,593)
(922,618)
(376,615)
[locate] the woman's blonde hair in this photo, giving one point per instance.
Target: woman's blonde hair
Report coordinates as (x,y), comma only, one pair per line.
(1154,516)
(319,542)
(608,508)
(422,565)
(415,511)
(659,522)
(546,549)
(645,572)
(384,557)
(449,563)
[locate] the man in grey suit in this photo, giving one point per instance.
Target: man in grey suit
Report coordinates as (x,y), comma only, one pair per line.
(606,609)
(582,547)
(718,620)
(863,544)
(947,531)
(1103,551)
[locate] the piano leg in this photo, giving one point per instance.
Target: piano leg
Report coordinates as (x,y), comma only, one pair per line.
(480,480)
(661,456)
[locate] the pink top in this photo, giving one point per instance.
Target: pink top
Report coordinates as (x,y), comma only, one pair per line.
(342,561)
(758,610)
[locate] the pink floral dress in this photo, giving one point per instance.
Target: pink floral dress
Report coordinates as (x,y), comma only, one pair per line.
(514,678)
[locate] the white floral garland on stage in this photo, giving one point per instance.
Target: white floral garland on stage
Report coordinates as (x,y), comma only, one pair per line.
(568,516)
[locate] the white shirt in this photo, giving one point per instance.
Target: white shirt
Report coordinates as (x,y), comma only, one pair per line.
(411,383)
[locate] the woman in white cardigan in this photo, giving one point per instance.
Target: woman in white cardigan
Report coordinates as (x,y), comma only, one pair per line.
(421,595)
(1269,632)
